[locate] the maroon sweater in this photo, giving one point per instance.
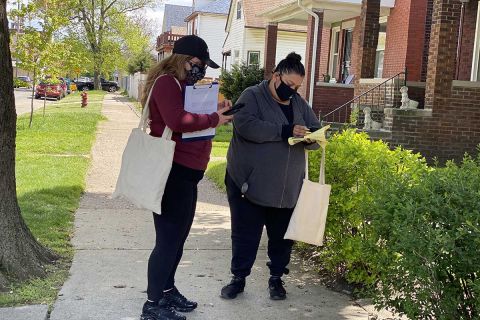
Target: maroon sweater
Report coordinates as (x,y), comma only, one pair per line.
(166,107)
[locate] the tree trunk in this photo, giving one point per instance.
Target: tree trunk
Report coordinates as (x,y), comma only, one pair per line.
(21,256)
(97,69)
(33,96)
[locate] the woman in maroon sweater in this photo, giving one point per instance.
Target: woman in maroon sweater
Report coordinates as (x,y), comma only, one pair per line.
(187,65)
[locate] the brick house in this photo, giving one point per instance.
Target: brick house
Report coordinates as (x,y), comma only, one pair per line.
(373,47)
(246,34)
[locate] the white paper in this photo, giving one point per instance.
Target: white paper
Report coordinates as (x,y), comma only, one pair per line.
(201,99)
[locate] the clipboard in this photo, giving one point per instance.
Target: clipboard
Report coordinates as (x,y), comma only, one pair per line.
(201,99)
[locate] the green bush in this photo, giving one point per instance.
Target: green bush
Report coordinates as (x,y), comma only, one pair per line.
(408,233)
(433,243)
(18,83)
(238,79)
(356,167)
(141,62)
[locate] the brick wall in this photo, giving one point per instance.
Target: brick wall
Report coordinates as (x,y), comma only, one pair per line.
(416,39)
(426,46)
(468,41)
(451,124)
(442,54)
(325,53)
(328,97)
(370,26)
(405,44)
(446,134)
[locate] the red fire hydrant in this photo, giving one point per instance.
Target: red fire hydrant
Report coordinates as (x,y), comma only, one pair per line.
(84,99)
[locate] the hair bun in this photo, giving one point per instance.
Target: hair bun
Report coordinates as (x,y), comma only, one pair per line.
(294,56)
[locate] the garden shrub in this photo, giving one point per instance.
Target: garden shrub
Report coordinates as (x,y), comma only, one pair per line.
(356,167)
(432,262)
(234,82)
(408,233)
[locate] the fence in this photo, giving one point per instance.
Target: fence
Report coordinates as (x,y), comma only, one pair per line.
(133,84)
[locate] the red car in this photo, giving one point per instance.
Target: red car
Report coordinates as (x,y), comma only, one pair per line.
(57,91)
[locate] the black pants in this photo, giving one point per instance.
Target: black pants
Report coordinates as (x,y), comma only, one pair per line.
(172,228)
(248,220)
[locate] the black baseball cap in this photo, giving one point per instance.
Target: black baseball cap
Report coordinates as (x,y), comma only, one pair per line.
(194,46)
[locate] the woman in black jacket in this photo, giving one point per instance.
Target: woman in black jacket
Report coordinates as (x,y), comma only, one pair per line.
(264,173)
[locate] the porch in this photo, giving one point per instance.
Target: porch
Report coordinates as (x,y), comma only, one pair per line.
(373,48)
(165,43)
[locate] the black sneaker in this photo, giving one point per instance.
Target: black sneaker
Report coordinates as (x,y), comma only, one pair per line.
(231,290)
(160,312)
(277,291)
(178,301)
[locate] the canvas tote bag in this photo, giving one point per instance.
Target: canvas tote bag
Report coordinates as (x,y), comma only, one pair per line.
(146,164)
(310,215)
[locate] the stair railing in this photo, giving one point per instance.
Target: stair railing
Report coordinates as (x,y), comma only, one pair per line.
(381,96)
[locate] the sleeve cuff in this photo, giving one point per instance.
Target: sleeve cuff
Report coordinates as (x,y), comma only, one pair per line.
(214,118)
(287,131)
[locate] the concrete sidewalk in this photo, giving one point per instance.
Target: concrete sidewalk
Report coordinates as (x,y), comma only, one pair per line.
(113,241)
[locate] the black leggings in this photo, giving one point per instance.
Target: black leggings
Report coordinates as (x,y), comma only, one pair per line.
(248,220)
(172,228)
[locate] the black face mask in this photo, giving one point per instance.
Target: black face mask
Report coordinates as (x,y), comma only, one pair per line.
(284,92)
(196,73)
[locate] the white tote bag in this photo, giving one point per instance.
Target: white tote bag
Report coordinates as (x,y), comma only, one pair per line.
(146,164)
(310,215)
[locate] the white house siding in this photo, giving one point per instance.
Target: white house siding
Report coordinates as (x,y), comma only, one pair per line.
(291,41)
(235,38)
(286,43)
(211,28)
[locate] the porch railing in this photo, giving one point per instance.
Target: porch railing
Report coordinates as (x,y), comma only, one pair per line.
(167,38)
(384,95)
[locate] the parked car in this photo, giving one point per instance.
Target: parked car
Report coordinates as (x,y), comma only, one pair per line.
(110,86)
(22,81)
(50,88)
(68,82)
(84,84)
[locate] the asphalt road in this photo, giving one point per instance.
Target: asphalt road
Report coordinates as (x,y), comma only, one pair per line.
(23,99)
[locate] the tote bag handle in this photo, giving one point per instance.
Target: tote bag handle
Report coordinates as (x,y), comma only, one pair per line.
(321,178)
(167,133)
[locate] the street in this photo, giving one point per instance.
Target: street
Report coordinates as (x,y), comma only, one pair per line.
(23,100)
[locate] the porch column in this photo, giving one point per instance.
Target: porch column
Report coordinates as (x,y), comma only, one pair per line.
(369,26)
(271,30)
(443,53)
(305,89)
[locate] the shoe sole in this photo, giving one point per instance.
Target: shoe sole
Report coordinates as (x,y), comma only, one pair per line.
(183,309)
(230,297)
(277,298)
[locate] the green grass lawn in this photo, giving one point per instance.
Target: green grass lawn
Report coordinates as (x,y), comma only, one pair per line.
(52,161)
(216,168)
(222,141)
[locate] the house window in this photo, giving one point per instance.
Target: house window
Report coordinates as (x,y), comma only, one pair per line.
(346,63)
(334,52)
(382,37)
(239,10)
(253,58)
(236,57)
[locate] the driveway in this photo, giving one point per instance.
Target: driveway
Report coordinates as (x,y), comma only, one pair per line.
(23,98)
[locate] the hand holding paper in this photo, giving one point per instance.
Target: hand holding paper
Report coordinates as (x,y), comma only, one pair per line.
(317,136)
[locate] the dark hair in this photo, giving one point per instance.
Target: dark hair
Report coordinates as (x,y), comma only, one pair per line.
(291,64)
